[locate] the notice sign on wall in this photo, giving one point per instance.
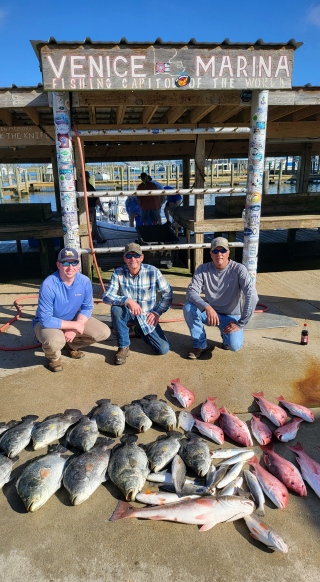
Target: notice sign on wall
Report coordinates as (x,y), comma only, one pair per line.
(159,68)
(23,136)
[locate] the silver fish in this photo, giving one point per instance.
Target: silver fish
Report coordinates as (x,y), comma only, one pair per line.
(84,434)
(160,498)
(18,437)
(232,487)
(6,465)
(53,427)
(84,473)
(128,467)
(256,491)
(195,453)
(5,426)
(109,417)
(189,489)
(265,534)
(224,453)
(136,417)
(185,420)
(210,475)
(232,473)
(240,457)
(162,451)
(41,478)
(159,411)
(218,475)
(163,477)
(179,471)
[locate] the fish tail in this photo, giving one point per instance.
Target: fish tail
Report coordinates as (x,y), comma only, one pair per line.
(258,394)
(212,398)
(122,511)
(267,447)
(296,448)
(176,381)
(280,398)
(253,461)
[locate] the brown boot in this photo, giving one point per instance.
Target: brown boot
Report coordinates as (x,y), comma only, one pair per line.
(195,353)
(76,354)
(121,356)
(55,365)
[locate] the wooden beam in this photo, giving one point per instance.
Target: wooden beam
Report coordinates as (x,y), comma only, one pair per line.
(306,112)
(6,117)
(92,115)
(121,109)
(279,112)
(199,113)
(17,98)
(148,113)
(175,113)
(222,113)
(33,114)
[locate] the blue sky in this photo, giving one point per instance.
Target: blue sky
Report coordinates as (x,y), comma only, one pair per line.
(172,20)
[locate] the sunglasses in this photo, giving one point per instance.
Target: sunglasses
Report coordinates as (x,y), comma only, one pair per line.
(68,263)
(216,251)
(132,256)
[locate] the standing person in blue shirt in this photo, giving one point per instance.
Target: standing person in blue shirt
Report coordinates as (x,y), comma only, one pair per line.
(132,293)
(133,210)
(172,200)
(229,300)
(63,318)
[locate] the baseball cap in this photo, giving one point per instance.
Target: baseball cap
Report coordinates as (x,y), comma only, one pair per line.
(68,254)
(220,241)
(133,248)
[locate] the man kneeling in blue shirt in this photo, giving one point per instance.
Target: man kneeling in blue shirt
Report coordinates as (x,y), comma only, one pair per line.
(63,318)
(229,300)
(132,293)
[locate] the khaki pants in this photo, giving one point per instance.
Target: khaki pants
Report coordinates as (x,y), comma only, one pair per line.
(53,340)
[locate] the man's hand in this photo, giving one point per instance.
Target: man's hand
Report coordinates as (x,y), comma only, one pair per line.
(69,336)
(232,326)
(212,316)
(152,318)
(134,307)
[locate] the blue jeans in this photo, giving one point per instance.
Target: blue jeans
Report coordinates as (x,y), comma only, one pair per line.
(195,320)
(149,215)
(121,315)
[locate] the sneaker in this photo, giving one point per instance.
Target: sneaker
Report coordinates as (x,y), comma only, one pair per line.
(76,354)
(195,353)
(225,347)
(121,356)
(55,365)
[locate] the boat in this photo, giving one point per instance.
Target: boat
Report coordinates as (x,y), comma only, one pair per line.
(111,231)
(102,176)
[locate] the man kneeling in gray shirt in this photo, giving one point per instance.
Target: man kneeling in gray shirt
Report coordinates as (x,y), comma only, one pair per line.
(229,300)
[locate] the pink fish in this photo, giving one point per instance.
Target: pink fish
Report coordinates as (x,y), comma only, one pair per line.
(181,393)
(272,487)
(213,432)
(206,511)
(297,409)
(272,411)
(284,470)
(235,428)
(261,432)
(288,431)
(209,411)
(310,468)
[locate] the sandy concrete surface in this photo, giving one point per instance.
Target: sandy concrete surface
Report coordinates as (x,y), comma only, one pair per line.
(67,544)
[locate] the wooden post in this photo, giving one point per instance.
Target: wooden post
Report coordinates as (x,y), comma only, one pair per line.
(128,178)
(177,175)
(25,174)
(232,176)
(304,169)
(1,194)
(265,182)
(9,177)
(211,175)
(18,181)
(199,161)
(56,182)
(122,177)
(186,179)
(86,259)
(280,176)
(168,171)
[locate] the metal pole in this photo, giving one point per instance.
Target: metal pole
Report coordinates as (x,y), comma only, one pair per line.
(65,163)
(257,143)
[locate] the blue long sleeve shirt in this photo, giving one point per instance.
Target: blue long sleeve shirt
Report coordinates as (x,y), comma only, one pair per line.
(59,301)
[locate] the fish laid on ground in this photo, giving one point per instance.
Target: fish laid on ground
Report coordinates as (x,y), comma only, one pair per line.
(53,427)
(136,417)
(185,396)
(256,491)
(41,478)
(288,431)
(297,409)
(242,456)
(265,534)
(284,470)
(272,411)
(206,511)
(5,426)
(219,474)
(209,410)
(210,475)
(162,451)
(159,411)
(18,437)
(128,467)
(110,418)
(161,497)
(179,472)
(261,432)
(84,473)
(185,420)
(195,453)
(84,434)
(271,486)
(235,428)
(163,477)
(189,489)
(6,465)
(232,473)
(232,487)
(213,432)
(310,468)
(224,453)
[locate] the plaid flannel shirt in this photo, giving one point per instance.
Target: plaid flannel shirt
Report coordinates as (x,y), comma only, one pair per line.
(143,289)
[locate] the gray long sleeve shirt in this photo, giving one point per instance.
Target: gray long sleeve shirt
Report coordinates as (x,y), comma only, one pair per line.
(222,290)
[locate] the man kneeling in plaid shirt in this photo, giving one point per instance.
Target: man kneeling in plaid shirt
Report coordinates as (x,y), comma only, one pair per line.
(132,293)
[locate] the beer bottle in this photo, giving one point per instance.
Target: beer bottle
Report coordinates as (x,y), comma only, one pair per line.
(304,335)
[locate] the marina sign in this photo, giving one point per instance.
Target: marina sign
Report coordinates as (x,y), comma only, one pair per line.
(23,136)
(161,69)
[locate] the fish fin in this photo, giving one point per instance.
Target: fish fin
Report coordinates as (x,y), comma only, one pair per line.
(30,417)
(122,511)
(258,394)
(57,448)
(207,526)
(150,397)
(128,439)
(103,401)
(280,398)
(176,381)
(73,411)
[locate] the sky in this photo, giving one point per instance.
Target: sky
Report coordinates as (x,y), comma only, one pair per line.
(145,20)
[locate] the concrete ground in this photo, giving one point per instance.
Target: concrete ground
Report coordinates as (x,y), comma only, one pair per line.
(79,544)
